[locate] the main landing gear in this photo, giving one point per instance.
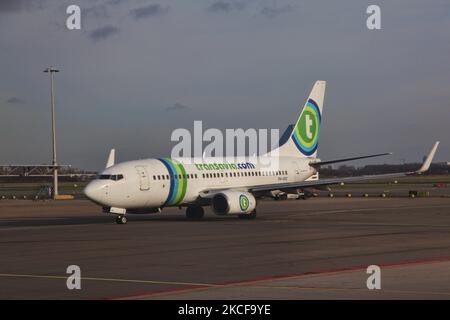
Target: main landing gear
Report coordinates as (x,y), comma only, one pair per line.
(248,216)
(195,212)
(121,219)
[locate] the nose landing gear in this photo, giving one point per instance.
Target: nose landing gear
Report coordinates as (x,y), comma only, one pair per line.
(121,219)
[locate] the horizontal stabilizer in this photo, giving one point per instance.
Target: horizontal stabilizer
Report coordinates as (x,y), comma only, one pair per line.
(322,163)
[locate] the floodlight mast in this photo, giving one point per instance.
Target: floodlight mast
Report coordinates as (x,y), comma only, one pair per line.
(51,70)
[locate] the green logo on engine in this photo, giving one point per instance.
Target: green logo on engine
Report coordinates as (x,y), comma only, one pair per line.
(243,202)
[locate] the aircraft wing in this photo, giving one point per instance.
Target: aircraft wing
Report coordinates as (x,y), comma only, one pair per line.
(286,186)
(324,182)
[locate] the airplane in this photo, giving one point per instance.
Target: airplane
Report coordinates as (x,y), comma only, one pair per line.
(231,188)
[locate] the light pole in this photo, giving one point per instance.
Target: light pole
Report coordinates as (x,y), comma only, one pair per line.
(52,70)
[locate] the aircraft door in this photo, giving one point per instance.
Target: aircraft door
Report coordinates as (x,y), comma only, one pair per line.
(144,180)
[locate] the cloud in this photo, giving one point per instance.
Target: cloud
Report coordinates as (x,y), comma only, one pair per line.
(152,10)
(97,11)
(9,6)
(225,6)
(177,107)
(272,12)
(116,2)
(102,10)
(15,100)
(103,32)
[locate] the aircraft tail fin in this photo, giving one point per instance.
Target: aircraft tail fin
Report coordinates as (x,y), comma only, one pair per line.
(304,138)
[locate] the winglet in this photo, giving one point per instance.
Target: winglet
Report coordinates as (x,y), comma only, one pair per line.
(111,158)
(426,164)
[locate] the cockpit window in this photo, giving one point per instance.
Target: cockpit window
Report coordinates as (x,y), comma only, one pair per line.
(114,177)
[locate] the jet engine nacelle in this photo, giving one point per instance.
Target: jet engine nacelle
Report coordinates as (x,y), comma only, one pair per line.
(233,202)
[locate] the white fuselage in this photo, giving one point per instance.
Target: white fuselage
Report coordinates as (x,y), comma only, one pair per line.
(158,183)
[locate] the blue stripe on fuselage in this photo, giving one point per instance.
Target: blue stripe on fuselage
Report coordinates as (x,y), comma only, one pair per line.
(172,181)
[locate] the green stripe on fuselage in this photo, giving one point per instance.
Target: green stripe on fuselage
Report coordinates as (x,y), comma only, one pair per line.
(182,182)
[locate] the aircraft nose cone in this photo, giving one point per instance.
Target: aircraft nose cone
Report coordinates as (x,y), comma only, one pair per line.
(94,191)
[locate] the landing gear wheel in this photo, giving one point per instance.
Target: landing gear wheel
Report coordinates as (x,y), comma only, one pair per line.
(121,220)
(195,213)
(248,216)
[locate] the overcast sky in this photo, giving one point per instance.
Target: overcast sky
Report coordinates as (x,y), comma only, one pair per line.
(139,69)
